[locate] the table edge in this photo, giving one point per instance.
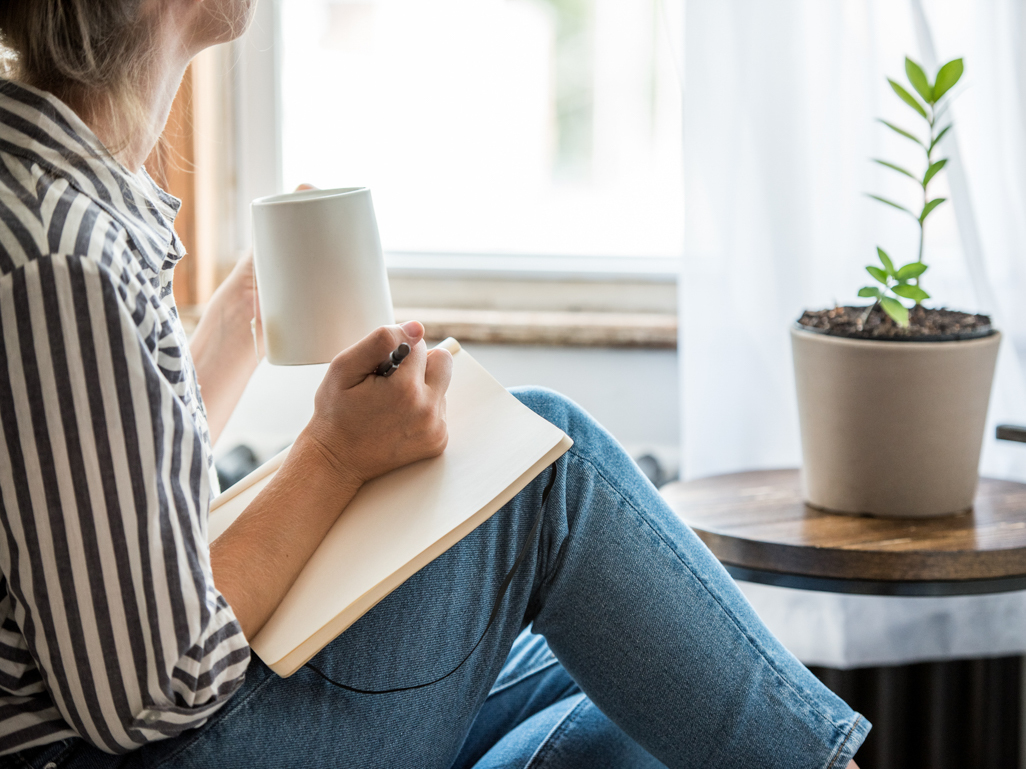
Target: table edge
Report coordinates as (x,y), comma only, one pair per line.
(912,588)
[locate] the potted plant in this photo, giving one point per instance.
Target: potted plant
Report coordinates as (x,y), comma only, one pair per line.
(893,396)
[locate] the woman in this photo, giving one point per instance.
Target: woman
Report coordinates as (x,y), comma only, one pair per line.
(123,633)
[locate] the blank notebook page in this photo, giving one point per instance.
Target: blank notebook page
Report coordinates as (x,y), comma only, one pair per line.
(401,521)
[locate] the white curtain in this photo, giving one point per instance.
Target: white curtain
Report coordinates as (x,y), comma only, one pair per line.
(780,107)
(779,128)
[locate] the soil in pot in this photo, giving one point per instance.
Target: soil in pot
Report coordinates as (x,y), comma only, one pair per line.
(933,325)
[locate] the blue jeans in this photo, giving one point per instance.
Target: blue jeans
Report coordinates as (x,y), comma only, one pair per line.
(670,660)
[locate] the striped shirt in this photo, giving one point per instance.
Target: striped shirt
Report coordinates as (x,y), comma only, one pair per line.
(110,625)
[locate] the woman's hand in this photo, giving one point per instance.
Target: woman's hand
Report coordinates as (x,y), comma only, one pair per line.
(241,304)
(223,348)
(365,425)
(229,342)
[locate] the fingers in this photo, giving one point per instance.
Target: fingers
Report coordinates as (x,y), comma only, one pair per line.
(303,187)
(438,370)
(360,360)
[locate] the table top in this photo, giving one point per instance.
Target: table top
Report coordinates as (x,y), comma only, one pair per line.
(758,525)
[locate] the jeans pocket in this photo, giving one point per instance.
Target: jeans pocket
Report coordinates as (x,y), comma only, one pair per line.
(50,756)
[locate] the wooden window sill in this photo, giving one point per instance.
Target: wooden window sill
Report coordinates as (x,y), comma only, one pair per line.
(569,329)
(520,327)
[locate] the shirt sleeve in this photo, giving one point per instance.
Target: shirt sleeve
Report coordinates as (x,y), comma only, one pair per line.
(104,493)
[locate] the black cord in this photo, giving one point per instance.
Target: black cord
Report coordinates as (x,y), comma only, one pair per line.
(495,610)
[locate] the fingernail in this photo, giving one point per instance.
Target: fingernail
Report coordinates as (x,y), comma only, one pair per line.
(413,328)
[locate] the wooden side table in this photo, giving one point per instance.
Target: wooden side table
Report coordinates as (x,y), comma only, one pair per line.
(963,713)
(757,525)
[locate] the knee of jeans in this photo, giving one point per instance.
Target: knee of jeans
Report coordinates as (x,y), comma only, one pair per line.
(553,406)
(587,434)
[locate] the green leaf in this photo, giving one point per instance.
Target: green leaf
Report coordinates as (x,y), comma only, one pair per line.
(911,292)
(869,291)
(928,208)
(933,169)
(899,169)
(911,270)
(908,98)
(939,136)
(877,273)
(902,132)
(918,79)
(896,310)
(885,260)
(892,203)
(947,77)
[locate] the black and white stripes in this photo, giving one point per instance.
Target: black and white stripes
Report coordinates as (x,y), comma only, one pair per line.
(110,625)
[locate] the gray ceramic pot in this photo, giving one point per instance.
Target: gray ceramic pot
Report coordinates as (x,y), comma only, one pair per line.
(892,429)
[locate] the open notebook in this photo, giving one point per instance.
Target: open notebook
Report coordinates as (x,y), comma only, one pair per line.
(400,522)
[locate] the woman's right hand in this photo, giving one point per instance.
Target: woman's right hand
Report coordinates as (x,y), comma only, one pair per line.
(365,425)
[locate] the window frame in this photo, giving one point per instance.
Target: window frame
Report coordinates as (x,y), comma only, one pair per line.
(258,161)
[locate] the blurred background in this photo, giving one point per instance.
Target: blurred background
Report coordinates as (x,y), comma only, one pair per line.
(521,127)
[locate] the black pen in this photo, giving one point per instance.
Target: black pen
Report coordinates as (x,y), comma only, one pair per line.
(391,363)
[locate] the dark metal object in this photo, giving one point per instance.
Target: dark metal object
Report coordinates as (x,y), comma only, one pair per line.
(235,465)
(963,714)
(1011,433)
(962,336)
(879,587)
(652,468)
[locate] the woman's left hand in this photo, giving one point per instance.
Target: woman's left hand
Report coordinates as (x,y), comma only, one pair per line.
(242,288)
(228,344)
(229,341)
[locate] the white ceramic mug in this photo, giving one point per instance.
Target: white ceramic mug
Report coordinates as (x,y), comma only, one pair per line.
(320,273)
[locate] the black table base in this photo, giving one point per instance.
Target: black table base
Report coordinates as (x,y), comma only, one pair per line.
(963,714)
(932,588)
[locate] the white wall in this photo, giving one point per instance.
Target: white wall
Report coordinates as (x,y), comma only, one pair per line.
(632,392)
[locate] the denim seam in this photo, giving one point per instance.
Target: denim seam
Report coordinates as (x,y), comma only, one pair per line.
(726,611)
(200,732)
(522,677)
(847,737)
(557,560)
(546,745)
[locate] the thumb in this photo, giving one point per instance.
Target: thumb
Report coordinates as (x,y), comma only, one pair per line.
(361,359)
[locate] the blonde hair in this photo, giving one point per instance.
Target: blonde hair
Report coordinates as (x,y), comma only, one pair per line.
(91,54)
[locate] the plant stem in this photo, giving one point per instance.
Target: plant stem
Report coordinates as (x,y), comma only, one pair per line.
(926,198)
(865,316)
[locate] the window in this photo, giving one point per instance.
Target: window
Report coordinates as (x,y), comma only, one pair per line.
(525,128)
